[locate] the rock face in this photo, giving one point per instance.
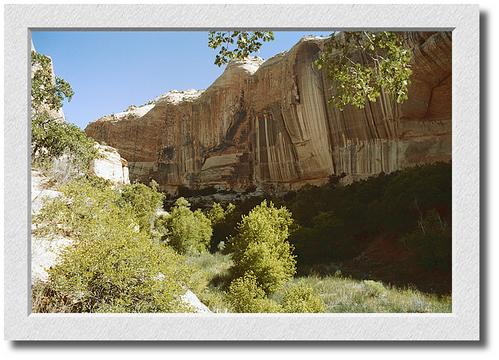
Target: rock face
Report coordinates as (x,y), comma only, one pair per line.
(45,251)
(110,165)
(268,124)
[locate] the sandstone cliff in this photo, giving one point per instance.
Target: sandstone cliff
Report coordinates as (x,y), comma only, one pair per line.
(268,124)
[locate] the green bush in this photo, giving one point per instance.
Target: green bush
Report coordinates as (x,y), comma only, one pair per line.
(245,296)
(85,200)
(115,269)
(185,230)
(260,246)
(113,266)
(144,201)
(302,299)
(51,139)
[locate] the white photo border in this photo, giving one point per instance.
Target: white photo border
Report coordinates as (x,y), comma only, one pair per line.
(462,324)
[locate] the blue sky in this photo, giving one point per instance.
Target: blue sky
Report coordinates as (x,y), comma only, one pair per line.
(110,70)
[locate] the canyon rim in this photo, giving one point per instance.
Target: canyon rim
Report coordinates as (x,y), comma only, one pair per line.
(268,125)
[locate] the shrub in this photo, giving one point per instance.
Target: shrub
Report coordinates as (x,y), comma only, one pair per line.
(113,265)
(115,269)
(185,230)
(245,296)
(144,201)
(260,246)
(302,299)
(85,200)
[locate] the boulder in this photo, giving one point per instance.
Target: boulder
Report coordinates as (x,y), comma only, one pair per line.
(110,165)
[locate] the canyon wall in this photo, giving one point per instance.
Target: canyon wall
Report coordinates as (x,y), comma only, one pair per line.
(268,124)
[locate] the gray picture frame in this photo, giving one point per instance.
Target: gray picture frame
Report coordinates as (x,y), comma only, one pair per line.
(464,321)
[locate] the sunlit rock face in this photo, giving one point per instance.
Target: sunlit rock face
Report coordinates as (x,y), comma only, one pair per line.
(110,166)
(268,124)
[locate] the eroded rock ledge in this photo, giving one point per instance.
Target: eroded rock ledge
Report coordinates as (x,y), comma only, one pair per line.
(268,124)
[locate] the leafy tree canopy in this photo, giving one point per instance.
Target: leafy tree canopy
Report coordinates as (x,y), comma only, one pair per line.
(52,138)
(261,246)
(360,64)
(237,44)
(44,89)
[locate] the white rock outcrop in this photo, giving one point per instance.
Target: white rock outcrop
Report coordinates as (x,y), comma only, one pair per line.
(44,251)
(190,298)
(110,165)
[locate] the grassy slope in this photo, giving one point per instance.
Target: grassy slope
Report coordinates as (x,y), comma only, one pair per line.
(340,294)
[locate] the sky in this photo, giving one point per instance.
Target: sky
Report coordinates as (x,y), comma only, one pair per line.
(110,70)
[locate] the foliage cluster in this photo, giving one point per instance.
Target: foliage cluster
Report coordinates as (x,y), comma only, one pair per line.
(113,266)
(246,296)
(51,137)
(431,242)
(185,230)
(302,299)
(47,91)
(144,201)
(237,44)
(337,223)
(361,64)
(261,247)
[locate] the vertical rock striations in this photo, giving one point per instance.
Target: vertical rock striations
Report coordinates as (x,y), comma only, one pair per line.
(269,124)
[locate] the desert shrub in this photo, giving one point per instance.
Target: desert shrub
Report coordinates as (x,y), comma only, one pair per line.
(302,299)
(83,203)
(245,296)
(115,269)
(185,230)
(224,221)
(431,242)
(144,201)
(260,246)
(113,265)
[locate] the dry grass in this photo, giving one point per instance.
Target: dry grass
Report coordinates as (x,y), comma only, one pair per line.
(344,295)
(340,294)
